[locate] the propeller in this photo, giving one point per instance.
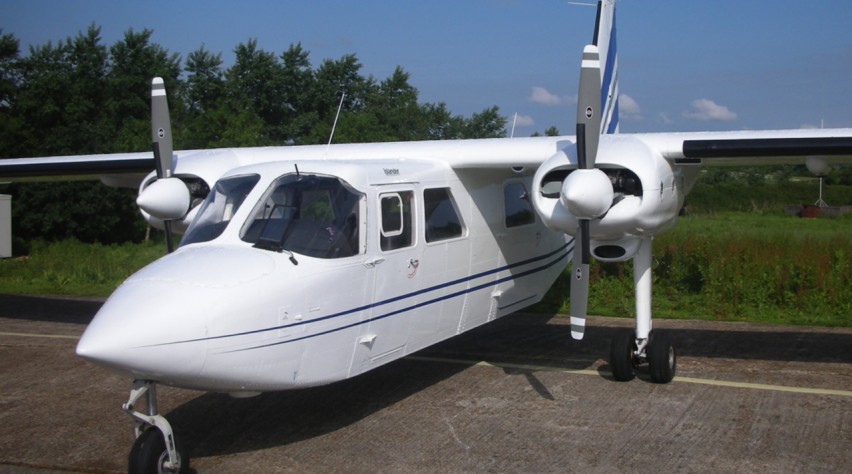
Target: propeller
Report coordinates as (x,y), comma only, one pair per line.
(167,198)
(587,192)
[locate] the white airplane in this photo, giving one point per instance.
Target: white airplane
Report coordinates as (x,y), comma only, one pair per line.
(308,265)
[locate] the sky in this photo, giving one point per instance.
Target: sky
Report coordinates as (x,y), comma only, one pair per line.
(683,65)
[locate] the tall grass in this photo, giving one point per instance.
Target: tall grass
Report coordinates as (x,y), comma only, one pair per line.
(73,268)
(761,197)
(738,267)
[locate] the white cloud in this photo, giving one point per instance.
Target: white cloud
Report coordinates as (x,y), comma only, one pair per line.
(706,109)
(628,109)
(540,95)
(522,120)
(664,118)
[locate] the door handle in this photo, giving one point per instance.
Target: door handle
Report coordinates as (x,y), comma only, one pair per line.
(373,262)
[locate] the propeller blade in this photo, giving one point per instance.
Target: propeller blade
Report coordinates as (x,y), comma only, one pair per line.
(588,107)
(161,138)
(580,281)
(161,128)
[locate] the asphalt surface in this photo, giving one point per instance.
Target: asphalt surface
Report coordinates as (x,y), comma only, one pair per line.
(517,395)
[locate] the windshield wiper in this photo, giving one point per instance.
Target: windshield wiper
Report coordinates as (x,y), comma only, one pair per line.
(274,246)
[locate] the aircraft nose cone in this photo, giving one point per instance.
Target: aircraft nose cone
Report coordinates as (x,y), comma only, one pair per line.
(144,337)
(154,326)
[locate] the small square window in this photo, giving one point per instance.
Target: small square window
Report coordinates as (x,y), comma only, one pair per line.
(442,217)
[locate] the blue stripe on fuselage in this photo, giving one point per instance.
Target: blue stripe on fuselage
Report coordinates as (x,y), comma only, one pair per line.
(415,306)
(563,251)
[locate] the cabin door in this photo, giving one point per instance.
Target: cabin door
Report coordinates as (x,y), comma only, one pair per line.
(394,258)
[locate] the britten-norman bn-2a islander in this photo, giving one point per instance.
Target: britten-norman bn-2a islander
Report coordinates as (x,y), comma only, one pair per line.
(305,265)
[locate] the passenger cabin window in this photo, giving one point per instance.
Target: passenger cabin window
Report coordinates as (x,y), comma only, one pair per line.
(397,227)
(442,217)
(519,210)
(312,215)
(219,207)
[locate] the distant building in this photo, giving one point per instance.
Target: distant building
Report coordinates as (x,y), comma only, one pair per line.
(5,226)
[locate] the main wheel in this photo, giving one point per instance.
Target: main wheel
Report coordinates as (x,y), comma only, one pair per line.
(662,361)
(622,356)
(149,455)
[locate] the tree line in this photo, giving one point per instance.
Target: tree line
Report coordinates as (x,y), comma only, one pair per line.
(80,96)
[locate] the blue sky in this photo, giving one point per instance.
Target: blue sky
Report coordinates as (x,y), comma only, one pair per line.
(684,65)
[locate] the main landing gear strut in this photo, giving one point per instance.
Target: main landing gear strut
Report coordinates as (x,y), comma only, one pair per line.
(155,449)
(642,345)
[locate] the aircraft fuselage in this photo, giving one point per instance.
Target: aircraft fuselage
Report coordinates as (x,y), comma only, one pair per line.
(428,252)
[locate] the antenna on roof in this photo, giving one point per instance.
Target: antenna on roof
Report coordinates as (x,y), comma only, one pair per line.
(514,121)
(337,116)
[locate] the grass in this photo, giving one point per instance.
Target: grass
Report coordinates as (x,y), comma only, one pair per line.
(737,267)
(73,268)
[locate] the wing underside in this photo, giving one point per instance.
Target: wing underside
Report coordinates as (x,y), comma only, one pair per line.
(753,148)
(130,167)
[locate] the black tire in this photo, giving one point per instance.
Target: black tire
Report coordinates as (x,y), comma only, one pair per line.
(662,360)
(621,356)
(149,453)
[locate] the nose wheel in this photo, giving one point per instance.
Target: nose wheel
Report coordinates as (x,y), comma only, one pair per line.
(149,455)
(155,449)
(627,353)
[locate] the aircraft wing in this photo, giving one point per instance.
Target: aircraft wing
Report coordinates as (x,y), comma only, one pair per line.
(115,169)
(740,148)
(753,148)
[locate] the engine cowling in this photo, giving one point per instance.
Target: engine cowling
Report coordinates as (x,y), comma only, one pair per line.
(647,192)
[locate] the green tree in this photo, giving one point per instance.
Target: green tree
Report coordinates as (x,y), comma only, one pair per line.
(486,124)
(81,97)
(86,211)
(440,123)
(9,124)
(332,80)
(204,101)
(397,110)
(205,81)
(134,62)
(298,79)
(254,84)
(550,132)
(64,97)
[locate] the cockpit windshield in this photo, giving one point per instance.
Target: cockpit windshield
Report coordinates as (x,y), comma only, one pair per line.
(312,215)
(219,207)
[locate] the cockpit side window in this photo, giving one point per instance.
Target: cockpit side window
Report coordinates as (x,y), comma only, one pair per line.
(219,207)
(312,215)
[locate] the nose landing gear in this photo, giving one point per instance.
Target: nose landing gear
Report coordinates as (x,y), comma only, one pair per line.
(155,449)
(642,345)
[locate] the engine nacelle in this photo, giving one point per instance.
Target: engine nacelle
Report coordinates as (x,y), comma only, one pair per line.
(647,192)
(198,170)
